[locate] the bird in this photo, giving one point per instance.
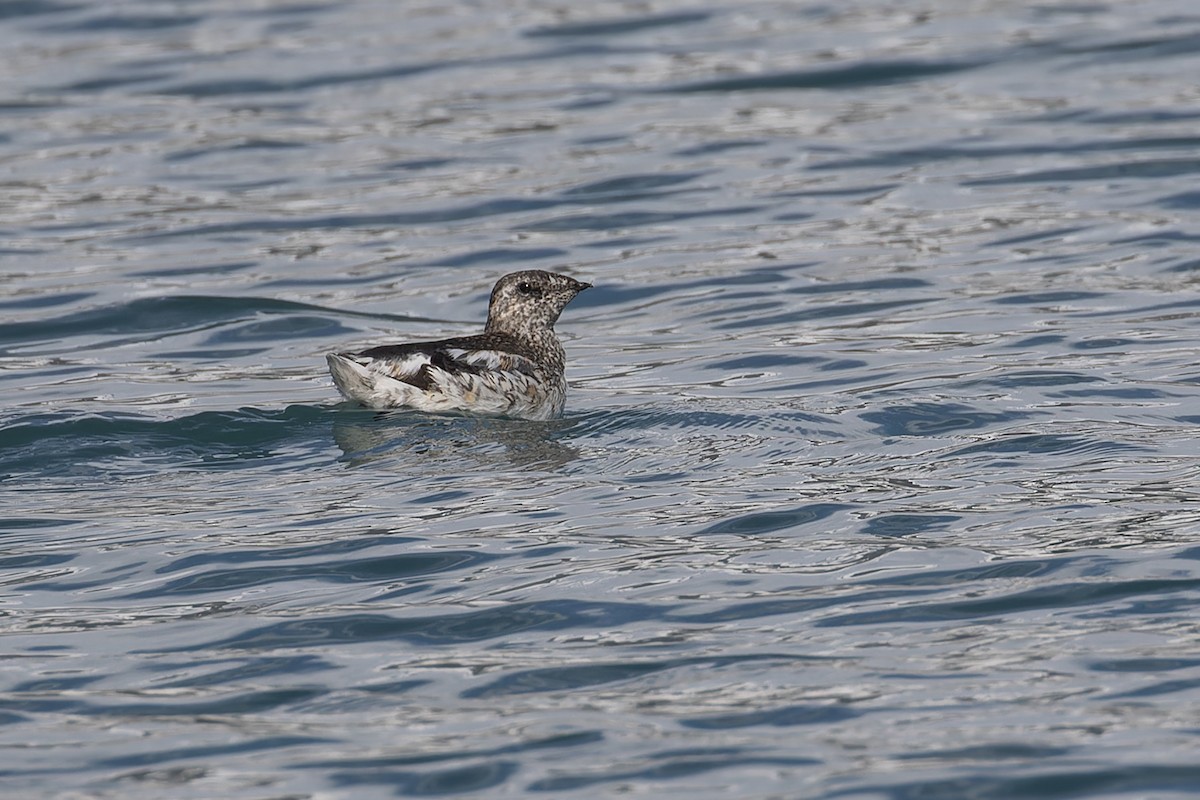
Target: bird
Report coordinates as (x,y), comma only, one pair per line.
(515,368)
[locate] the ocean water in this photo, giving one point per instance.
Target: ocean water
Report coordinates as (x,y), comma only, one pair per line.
(880,471)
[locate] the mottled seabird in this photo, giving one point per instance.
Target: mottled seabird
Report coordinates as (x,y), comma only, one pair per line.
(513,369)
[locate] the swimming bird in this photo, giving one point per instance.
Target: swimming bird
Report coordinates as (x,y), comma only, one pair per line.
(515,368)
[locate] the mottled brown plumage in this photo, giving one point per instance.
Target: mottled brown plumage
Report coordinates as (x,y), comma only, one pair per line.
(514,368)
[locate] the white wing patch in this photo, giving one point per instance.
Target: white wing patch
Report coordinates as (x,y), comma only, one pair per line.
(397,368)
(488,359)
(494,360)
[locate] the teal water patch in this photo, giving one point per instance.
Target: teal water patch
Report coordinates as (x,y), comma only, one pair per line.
(26,523)
(759,522)
(434,783)
(434,630)
(221,672)
(1046,443)
(528,744)
(152,318)
(786,717)
(1061,596)
(671,765)
(618,26)
(881,73)
(631,187)
(935,419)
(399,568)
(265,744)
(65,444)
(908,524)
(569,678)
(989,783)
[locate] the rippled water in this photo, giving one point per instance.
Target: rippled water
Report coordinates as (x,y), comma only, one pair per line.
(879,474)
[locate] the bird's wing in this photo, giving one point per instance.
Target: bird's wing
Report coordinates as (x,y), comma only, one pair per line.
(485,360)
(418,363)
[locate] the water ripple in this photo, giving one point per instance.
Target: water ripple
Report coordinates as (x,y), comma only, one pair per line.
(878,472)
(847,77)
(436,630)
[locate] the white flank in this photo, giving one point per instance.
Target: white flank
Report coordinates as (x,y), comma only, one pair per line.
(522,390)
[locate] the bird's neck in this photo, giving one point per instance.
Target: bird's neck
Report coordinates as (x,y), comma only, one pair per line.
(540,340)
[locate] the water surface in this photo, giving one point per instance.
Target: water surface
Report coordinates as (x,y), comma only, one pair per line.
(878,476)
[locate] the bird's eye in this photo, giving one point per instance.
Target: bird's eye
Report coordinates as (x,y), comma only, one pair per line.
(525,287)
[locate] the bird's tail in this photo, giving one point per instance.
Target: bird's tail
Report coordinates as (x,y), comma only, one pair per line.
(351,377)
